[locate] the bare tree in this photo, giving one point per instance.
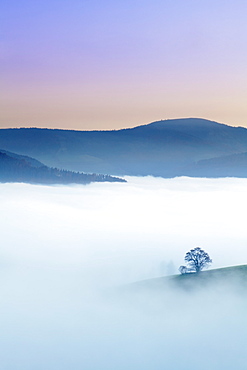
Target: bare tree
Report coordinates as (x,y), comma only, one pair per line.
(196,259)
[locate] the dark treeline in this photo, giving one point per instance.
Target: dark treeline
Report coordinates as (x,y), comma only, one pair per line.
(20,169)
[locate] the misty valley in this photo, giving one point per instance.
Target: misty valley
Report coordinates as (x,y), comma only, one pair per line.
(123,185)
(86,271)
(96,228)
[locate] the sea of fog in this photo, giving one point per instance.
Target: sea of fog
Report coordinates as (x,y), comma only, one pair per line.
(65,251)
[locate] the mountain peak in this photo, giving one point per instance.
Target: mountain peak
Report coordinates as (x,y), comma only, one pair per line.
(185,122)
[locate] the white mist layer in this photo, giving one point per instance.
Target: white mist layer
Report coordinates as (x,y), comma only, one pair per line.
(61,245)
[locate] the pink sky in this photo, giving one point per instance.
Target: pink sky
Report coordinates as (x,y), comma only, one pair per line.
(113,64)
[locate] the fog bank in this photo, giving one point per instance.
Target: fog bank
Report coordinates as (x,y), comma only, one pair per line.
(64,248)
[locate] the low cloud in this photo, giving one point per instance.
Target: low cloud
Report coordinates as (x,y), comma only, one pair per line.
(65,250)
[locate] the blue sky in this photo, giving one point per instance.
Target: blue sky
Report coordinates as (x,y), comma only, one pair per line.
(112,64)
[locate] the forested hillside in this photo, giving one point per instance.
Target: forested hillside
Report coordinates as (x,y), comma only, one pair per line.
(182,147)
(16,168)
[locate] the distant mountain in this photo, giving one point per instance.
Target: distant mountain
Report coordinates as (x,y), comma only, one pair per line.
(188,147)
(234,165)
(18,168)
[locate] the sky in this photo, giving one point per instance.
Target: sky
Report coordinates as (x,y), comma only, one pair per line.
(74,247)
(108,64)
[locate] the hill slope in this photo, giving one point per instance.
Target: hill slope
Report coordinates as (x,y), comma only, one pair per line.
(234,277)
(234,165)
(166,148)
(17,168)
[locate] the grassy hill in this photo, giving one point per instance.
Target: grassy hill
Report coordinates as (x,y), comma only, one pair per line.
(234,277)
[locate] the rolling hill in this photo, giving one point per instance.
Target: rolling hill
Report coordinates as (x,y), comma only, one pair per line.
(180,147)
(234,277)
(18,168)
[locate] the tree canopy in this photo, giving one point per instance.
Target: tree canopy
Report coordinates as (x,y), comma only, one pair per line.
(196,259)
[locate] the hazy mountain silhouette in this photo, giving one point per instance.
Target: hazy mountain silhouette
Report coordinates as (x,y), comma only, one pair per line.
(23,158)
(193,147)
(18,168)
(234,165)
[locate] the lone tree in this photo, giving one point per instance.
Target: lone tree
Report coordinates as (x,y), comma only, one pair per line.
(196,259)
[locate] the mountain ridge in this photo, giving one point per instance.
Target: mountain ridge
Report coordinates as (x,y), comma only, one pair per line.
(126,128)
(166,148)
